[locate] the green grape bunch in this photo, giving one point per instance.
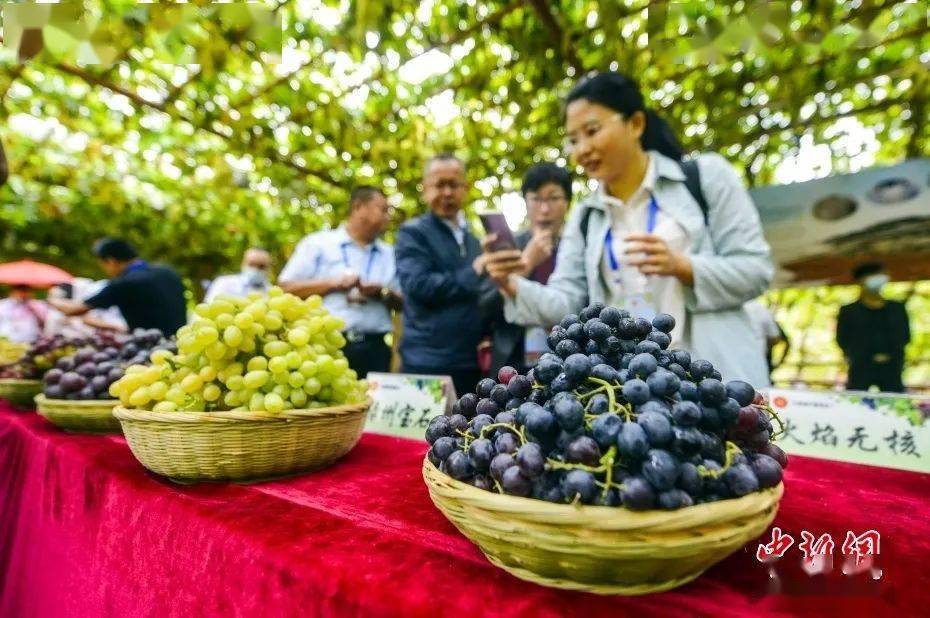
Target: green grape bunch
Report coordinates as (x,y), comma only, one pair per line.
(260,353)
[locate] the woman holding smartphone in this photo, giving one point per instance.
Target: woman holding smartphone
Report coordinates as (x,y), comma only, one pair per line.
(657,236)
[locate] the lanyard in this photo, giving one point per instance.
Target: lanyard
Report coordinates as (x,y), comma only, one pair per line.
(137,265)
(651,213)
(371,258)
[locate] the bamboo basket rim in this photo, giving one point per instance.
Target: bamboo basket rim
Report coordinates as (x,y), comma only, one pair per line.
(76,403)
(228,416)
(20,381)
(601,517)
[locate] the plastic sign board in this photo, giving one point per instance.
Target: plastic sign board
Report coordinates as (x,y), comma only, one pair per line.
(403,404)
(878,429)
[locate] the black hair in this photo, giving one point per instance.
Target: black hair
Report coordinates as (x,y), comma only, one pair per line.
(542,174)
(866,269)
(115,249)
(362,194)
(621,94)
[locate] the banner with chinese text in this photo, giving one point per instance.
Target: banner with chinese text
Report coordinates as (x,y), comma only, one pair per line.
(879,429)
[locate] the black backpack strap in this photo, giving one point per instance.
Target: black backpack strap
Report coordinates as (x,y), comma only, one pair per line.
(693,184)
(585,221)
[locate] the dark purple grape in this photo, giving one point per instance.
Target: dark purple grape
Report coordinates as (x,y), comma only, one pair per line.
(467,404)
(530,460)
(663,322)
(484,387)
(438,427)
(66,363)
(741,480)
(636,391)
(52,376)
(506,442)
(712,392)
(569,413)
(505,418)
(643,364)
(583,450)
(610,316)
(567,347)
(513,403)
(776,453)
(520,386)
(84,355)
(568,320)
(54,391)
(506,374)
(632,442)
(637,494)
(767,471)
(691,480)
(458,423)
(686,413)
(88,369)
(700,369)
(115,374)
(500,464)
(540,422)
(605,430)
(488,407)
(515,483)
(661,469)
(580,485)
(479,423)
(87,393)
(442,448)
(480,453)
(72,382)
(100,384)
(459,466)
(599,404)
(499,395)
(742,392)
(100,357)
(674,499)
(482,482)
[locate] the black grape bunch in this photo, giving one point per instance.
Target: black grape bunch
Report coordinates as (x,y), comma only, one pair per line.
(612,417)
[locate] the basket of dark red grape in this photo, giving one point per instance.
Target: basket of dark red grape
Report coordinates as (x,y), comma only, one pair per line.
(75,392)
(20,380)
(615,466)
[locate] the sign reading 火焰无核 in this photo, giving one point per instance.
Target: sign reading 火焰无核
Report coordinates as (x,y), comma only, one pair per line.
(403,404)
(879,429)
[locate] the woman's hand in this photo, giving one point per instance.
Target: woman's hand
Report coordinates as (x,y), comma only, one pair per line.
(653,256)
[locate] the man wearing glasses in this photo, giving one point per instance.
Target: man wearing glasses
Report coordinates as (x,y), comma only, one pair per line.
(547,189)
(353,270)
(256,266)
(440,266)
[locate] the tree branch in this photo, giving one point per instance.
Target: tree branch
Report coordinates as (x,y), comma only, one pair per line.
(557,34)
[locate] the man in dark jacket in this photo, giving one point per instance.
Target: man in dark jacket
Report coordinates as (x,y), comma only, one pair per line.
(873,332)
(547,189)
(440,266)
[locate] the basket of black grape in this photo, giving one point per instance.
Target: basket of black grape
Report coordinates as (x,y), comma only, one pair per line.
(75,392)
(627,470)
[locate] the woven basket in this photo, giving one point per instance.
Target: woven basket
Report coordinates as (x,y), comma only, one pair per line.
(20,392)
(606,550)
(79,416)
(241,446)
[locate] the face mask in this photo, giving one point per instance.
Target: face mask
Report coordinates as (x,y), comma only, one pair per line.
(875,283)
(254,277)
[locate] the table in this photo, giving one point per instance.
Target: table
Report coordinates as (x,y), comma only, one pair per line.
(86,531)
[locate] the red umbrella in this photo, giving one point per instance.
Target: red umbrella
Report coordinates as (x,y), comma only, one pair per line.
(33,274)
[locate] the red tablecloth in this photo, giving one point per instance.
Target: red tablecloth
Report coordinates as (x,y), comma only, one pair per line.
(85,531)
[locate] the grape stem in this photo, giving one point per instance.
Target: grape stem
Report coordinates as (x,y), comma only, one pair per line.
(781,425)
(732,451)
(608,460)
(519,432)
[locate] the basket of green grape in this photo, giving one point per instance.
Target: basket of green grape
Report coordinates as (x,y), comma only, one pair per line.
(259,389)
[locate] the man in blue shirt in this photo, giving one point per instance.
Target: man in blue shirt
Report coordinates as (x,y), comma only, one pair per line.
(354,273)
(440,266)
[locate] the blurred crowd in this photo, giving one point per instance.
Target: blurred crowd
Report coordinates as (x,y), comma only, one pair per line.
(659,234)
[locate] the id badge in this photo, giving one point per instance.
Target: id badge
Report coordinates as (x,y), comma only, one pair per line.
(535,345)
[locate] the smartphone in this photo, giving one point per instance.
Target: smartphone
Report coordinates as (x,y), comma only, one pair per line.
(495,223)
